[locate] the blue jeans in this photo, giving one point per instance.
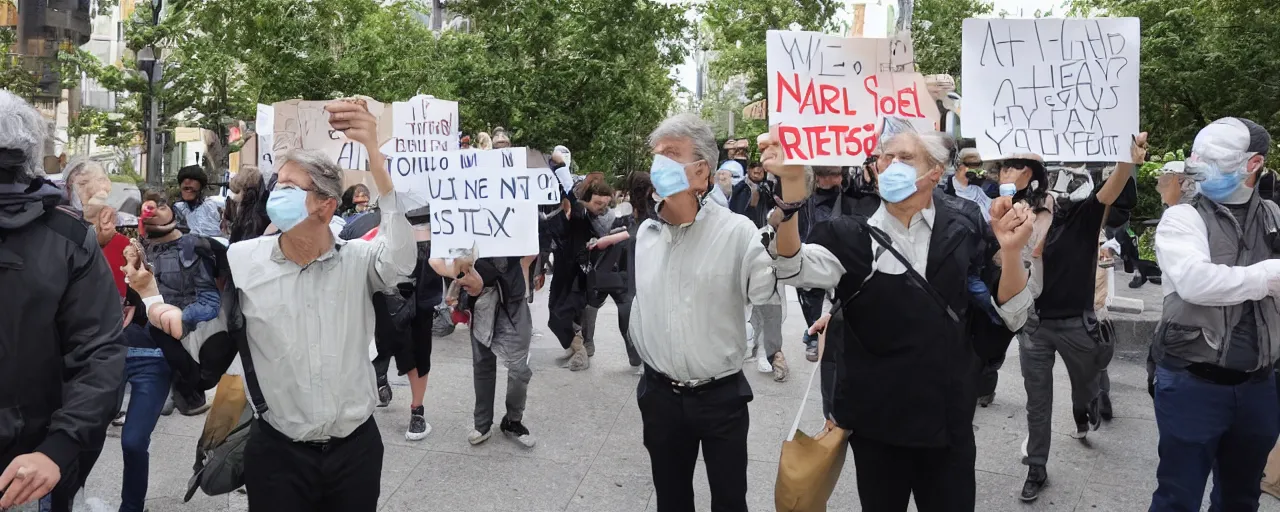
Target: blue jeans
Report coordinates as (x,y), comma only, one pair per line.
(1205,427)
(148,379)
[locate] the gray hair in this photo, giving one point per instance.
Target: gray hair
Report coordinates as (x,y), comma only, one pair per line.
(325,175)
(692,127)
(939,148)
(23,128)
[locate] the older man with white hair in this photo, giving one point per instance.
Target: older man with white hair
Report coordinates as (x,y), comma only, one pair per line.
(906,360)
(301,308)
(698,266)
(60,363)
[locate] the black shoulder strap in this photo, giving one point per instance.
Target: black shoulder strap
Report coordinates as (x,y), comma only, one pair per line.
(236,328)
(883,239)
(68,223)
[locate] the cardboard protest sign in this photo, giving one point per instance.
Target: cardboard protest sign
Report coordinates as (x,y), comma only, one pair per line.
(1065,89)
(305,125)
(486,199)
(828,93)
(423,124)
(263,126)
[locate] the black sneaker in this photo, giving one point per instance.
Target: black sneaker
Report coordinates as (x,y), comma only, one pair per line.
(1095,413)
(986,400)
(1082,424)
(384,392)
(1037,480)
(1137,281)
(418,426)
(1104,406)
(517,431)
(194,403)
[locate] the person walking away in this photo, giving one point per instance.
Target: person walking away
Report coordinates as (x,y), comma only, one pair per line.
(573,228)
(906,390)
(202,217)
(501,328)
(1064,322)
(688,322)
(414,357)
(185,268)
(1218,339)
(613,274)
(61,379)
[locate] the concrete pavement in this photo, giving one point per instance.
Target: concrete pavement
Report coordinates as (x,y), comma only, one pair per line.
(590,455)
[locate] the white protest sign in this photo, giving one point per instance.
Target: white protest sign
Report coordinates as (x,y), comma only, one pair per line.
(266,159)
(827,93)
(305,125)
(486,198)
(1065,89)
(410,171)
(422,125)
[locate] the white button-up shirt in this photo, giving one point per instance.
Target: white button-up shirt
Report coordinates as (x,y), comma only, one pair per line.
(1182,247)
(309,327)
(693,284)
(815,267)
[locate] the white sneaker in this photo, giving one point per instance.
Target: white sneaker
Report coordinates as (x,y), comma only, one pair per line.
(476,437)
(1080,434)
(763,366)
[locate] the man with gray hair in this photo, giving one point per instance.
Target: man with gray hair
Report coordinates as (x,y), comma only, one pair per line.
(689,319)
(62,367)
(301,312)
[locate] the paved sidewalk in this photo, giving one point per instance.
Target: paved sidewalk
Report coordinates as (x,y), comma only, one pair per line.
(590,456)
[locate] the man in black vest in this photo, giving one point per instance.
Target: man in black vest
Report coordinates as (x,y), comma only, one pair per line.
(906,364)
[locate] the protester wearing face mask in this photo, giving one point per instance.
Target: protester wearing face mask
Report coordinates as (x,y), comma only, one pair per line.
(688,321)
(84,179)
(194,212)
(303,296)
(1064,323)
(753,196)
(1219,335)
(185,267)
(907,388)
(966,182)
(62,364)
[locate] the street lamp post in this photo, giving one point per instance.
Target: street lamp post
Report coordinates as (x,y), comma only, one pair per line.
(152,67)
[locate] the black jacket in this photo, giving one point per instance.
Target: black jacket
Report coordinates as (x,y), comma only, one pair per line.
(61,361)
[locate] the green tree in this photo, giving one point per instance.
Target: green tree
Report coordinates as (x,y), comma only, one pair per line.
(1201,60)
(736,33)
(590,74)
(13,76)
(937,31)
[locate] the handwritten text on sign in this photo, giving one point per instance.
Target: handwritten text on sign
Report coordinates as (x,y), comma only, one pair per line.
(265,119)
(305,125)
(485,198)
(826,93)
(1066,89)
(423,124)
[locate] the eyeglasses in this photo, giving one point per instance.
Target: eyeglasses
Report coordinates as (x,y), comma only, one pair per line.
(971,165)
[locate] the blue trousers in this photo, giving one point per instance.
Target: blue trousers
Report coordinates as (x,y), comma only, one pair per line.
(148,379)
(1206,427)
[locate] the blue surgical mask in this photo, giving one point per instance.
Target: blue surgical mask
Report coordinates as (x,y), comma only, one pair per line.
(668,176)
(897,182)
(1219,185)
(287,207)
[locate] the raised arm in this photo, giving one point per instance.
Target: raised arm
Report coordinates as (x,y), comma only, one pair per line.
(394,252)
(802,266)
(1115,184)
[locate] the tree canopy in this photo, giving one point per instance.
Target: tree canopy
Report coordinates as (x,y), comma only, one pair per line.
(590,74)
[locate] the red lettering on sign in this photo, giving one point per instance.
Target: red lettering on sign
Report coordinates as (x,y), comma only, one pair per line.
(790,136)
(829,96)
(839,132)
(788,88)
(900,103)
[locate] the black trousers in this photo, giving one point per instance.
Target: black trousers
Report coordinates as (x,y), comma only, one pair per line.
(679,420)
(565,303)
(942,479)
(343,475)
(989,376)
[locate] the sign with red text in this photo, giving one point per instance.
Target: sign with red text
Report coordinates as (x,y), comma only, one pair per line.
(828,93)
(423,124)
(1064,89)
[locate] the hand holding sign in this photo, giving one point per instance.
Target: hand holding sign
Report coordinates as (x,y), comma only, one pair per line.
(791,177)
(352,118)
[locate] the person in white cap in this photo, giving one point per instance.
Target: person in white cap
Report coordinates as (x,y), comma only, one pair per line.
(1216,346)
